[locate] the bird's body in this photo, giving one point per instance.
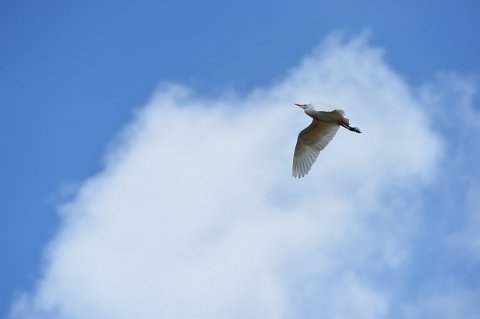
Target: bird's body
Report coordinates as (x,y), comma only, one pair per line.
(316,136)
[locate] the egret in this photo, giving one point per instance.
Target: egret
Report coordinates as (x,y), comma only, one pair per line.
(315,137)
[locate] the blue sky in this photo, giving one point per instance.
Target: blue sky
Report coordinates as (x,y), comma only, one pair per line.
(73,75)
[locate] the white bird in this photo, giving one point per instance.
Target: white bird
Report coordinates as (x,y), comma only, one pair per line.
(314,138)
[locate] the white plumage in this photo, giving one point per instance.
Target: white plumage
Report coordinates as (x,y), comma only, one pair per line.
(316,136)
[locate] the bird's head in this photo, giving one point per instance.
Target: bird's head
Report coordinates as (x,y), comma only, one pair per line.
(303,106)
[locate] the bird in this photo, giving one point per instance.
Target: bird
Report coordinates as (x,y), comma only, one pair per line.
(326,120)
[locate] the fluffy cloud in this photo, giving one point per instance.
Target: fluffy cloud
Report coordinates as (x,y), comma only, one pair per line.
(196,215)
(459,121)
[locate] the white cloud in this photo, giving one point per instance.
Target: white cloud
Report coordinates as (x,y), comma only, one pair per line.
(449,303)
(196,214)
(451,102)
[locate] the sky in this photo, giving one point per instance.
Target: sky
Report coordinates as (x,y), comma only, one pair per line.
(147,148)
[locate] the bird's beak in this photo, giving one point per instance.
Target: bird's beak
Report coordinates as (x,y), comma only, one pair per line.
(301,105)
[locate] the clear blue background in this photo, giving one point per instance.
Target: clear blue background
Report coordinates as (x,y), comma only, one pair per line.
(72,72)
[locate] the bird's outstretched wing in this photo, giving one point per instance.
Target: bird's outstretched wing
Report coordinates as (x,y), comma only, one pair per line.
(310,142)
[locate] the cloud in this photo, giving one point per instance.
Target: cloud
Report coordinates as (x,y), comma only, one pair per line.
(450,303)
(459,122)
(196,215)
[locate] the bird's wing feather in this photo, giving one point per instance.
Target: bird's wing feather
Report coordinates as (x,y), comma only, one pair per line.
(323,107)
(329,116)
(310,142)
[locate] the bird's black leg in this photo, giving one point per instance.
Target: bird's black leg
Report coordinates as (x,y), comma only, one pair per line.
(348,127)
(355,129)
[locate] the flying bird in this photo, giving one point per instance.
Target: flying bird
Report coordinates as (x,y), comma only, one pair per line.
(326,121)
